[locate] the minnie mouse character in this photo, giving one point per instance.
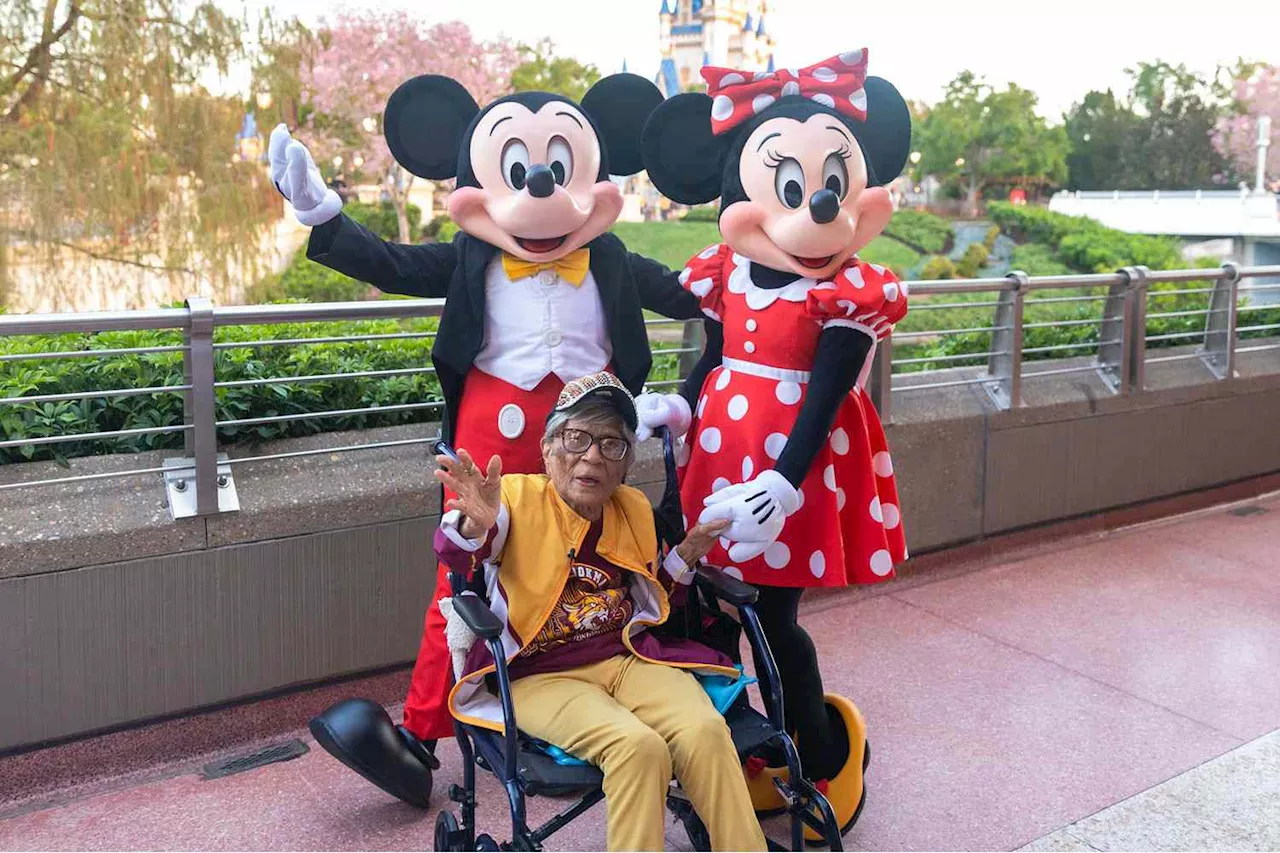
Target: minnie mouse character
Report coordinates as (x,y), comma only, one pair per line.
(782,431)
(537,294)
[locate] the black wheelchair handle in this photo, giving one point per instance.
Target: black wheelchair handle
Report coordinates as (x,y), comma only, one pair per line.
(478,616)
(725,587)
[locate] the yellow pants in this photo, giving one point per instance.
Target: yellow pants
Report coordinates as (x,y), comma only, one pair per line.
(637,722)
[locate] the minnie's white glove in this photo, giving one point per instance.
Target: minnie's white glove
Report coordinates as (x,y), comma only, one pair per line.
(756,511)
(662,410)
(296,176)
(458,636)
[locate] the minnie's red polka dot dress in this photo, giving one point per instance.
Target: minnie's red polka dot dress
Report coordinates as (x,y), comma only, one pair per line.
(848,528)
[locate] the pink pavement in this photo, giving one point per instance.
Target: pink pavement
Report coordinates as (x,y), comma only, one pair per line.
(1005,696)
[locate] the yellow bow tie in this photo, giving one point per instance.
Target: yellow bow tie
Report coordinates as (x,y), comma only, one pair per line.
(572,267)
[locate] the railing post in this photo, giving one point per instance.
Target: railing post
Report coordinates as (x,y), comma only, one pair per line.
(1122,337)
(1004,365)
(1219,350)
(881,381)
(694,337)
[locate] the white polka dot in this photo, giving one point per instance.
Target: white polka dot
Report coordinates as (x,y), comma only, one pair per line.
(682,458)
(761,102)
(748,468)
(761,75)
(881,562)
(684,521)
(713,315)
(733,572)
(882,464)
(891,291)
(733,78)
(794,72)
(701,287)
(824,99)
(725,543)
(817,564)
(685,275)
(752,325)
(906,291)
(891,516)
(774,444)
(840,499)
(709,440)
(877,512)
(702,404)
(722,381)
(826,75)
(847,306)
(859,99)
(738,406)
(721,107)
(788,392)
(853,57)
(840,441)
(720,483)
(749,346)
(854,276)
(709,251)
(777,555)
(799,499)
(791,87)
(829,477)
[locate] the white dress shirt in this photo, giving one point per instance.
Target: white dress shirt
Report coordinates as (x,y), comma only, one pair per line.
(539,325)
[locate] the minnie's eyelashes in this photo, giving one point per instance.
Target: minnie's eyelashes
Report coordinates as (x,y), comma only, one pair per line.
(773,159)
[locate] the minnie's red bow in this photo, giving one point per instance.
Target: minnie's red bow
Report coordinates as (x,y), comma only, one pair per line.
(836,82)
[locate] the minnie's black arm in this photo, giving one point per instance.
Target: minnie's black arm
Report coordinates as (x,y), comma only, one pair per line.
(712,353)
(841,353)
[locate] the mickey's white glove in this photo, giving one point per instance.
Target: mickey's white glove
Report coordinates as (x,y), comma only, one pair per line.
(296,176)
(662,410)
(756,511)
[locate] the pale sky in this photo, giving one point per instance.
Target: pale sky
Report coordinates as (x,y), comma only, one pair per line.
(1059,49)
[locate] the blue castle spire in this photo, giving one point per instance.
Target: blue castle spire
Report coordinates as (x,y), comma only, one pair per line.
(749,25)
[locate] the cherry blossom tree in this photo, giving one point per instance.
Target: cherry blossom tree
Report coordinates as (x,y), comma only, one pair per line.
(1236,136)
(354,66)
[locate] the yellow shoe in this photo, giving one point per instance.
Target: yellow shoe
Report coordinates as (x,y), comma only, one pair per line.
(765,798)
(846,791)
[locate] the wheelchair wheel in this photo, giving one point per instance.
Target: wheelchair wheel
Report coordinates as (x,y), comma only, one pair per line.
(486,842)
(447,832)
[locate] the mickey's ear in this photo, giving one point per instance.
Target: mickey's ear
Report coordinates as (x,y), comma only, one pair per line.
(424,123)
(684,160)
(619,105)
(886,135)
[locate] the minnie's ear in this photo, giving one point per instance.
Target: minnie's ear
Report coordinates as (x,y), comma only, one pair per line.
(886,135)
(684,160)
(424,122)
(619,105)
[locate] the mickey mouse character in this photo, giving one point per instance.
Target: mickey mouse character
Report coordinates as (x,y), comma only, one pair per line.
(782,430)
(537,294)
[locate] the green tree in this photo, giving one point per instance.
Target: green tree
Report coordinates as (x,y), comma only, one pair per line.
(112,151)
(979,136)
(1099,128)
(540,70)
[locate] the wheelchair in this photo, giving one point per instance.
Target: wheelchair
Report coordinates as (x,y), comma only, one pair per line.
(526,767)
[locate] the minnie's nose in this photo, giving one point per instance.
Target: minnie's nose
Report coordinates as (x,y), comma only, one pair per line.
(823,206)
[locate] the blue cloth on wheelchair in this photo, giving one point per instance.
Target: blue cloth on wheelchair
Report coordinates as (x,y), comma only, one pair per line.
(722,690)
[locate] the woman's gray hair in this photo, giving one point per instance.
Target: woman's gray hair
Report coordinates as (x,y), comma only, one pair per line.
(591,413)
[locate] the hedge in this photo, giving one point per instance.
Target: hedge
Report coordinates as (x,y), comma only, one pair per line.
(924,232)
(1085,244)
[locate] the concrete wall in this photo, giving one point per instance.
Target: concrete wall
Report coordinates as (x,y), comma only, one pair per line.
(111,613)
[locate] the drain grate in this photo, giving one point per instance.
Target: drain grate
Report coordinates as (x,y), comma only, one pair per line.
(1247,510)
(270,755)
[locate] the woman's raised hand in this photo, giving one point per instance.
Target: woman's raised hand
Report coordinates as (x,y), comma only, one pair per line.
(478,493)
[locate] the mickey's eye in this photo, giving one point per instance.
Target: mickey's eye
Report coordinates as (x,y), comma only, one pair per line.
(515,163)
(788,182)
(835,176)
(560,159)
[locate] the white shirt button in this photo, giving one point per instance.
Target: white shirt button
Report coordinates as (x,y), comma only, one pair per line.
(511,421)
(752,325)
(749,346)
(547,276)
(553,338)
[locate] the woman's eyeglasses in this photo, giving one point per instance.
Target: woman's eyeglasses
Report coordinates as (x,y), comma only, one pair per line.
(579,442)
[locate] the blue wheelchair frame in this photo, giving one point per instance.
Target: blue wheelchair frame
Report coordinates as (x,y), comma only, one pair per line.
(501,753)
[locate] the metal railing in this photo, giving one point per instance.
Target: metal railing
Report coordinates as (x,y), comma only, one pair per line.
(201,481)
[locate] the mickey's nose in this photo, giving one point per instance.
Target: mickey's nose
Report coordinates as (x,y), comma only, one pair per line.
(823,206)
(541,181)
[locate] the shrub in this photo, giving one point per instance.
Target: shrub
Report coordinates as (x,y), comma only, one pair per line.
(939,266)
(922,231)
(1085,244)
(448,228)
(972,261)
(990,240)
(1037,259)
(381,219)
(702,213)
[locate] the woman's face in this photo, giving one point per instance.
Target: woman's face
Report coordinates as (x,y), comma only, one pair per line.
(585,480)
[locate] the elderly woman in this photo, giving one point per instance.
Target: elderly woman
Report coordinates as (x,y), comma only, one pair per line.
(572,568)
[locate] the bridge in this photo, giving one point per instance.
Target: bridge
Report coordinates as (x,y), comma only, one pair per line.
(1079,654)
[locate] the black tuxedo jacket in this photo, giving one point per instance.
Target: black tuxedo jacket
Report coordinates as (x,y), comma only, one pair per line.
(628,283)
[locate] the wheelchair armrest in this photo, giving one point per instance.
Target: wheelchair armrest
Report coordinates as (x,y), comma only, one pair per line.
(478,616)
(728,588)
